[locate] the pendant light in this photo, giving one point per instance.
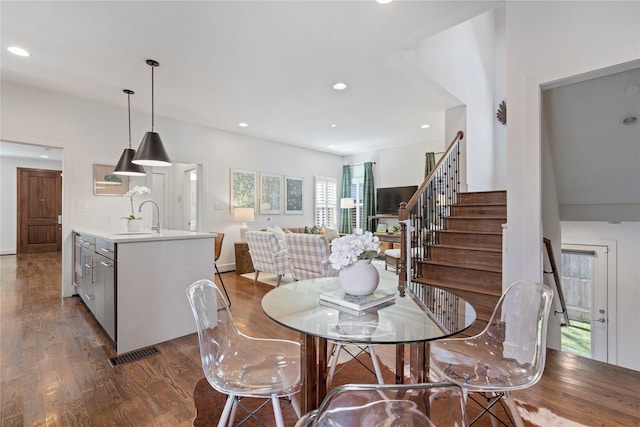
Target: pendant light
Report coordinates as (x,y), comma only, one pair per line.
(124,166)
(151,151)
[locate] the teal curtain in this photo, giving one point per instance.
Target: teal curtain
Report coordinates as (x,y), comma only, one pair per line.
(345,214)
(369,198)
(429,163)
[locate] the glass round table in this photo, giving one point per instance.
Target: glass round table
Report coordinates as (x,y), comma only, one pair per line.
(413,319)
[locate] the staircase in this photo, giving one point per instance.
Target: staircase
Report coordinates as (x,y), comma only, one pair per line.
(467,258)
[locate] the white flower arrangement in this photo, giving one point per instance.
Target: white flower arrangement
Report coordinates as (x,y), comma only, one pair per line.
(138,190)
(353,247)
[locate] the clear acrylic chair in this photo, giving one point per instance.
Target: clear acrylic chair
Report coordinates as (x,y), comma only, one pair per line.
(238,365)
(430,404)
(509,354)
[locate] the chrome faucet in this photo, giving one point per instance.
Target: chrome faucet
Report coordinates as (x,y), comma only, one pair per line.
(156,226)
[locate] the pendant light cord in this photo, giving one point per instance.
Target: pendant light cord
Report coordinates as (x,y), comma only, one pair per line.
(152,101)
(129,110)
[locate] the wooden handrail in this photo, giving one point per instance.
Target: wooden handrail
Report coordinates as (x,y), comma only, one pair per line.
(423,214)
(556,278)
(412,202)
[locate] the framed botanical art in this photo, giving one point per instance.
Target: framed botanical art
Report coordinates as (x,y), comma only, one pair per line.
(293,195)
(106,183)
(270,193)
(243,189)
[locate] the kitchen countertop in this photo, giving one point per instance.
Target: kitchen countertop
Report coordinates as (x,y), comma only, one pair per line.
(146,236)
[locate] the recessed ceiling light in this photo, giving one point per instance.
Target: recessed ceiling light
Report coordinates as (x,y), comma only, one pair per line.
(333,125)
(243,124)
(44,156)
(629,119)
(340,86)
(384,1)
(332,146)
(18,51)
(425,126)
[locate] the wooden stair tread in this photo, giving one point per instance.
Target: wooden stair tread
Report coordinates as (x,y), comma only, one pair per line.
(467,248)
(459,286)
(478,204)
(478,267)
(477,217)
(494,233)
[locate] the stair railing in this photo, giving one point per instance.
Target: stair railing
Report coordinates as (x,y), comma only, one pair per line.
(421,217)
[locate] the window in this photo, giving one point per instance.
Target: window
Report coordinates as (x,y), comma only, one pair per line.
(325,206)
(357,193)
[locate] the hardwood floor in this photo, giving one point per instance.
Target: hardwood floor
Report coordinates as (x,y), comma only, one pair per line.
(54,368)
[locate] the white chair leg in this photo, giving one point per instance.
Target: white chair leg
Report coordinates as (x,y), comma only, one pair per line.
(376,365)
(234,412)
(226,410)
(277,411)
(517,419)
(334,361)
(296,405)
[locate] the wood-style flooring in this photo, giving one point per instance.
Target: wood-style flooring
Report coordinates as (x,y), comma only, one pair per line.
(54,368)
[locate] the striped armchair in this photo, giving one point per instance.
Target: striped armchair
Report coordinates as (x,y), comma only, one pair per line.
(268,254)
(309,256)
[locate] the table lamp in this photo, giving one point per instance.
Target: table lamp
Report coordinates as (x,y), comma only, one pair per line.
(243,215)
(347,203)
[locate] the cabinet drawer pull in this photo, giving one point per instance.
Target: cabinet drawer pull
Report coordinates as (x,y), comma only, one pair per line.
(106,250)
(106,264)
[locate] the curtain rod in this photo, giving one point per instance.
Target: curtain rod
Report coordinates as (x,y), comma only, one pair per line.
(360,164)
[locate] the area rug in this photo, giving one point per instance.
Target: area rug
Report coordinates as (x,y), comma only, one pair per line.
(268,278)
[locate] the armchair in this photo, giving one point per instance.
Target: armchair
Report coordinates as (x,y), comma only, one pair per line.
(268,254)
(309,256)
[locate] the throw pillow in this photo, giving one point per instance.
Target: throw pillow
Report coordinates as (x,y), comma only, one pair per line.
(331,233)
(315,230)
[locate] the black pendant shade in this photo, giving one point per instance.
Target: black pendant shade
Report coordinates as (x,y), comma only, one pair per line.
(151,151)
(124,166)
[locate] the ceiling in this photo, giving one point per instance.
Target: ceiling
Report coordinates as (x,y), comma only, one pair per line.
(270,64)
(596,158)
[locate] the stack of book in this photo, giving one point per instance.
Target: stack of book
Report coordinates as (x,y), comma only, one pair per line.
(339,298)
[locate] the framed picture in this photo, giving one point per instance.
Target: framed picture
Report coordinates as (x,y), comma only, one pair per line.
(270,193)
(106,183)
(243,189)
(293,195)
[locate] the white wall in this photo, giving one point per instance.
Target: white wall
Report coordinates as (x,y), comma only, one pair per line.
(397,166)
(468,61)
(96,133)
(627,301)
(9,205)
(548,41)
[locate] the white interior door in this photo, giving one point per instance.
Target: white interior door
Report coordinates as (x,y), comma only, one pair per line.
(585,282)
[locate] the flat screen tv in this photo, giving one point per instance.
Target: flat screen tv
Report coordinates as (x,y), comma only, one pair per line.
(388,199)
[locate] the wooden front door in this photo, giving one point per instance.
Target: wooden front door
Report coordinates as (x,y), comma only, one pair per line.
(39,206)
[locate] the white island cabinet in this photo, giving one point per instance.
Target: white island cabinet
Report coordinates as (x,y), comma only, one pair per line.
(151,274)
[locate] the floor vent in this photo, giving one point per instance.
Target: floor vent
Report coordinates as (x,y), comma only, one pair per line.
(133,356)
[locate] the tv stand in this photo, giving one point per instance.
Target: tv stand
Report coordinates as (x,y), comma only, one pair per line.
(374,219)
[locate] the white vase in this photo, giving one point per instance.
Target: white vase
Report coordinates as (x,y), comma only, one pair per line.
(359,278)
(134,225)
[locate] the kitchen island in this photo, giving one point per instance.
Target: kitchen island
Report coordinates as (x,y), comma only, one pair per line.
(135,283)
